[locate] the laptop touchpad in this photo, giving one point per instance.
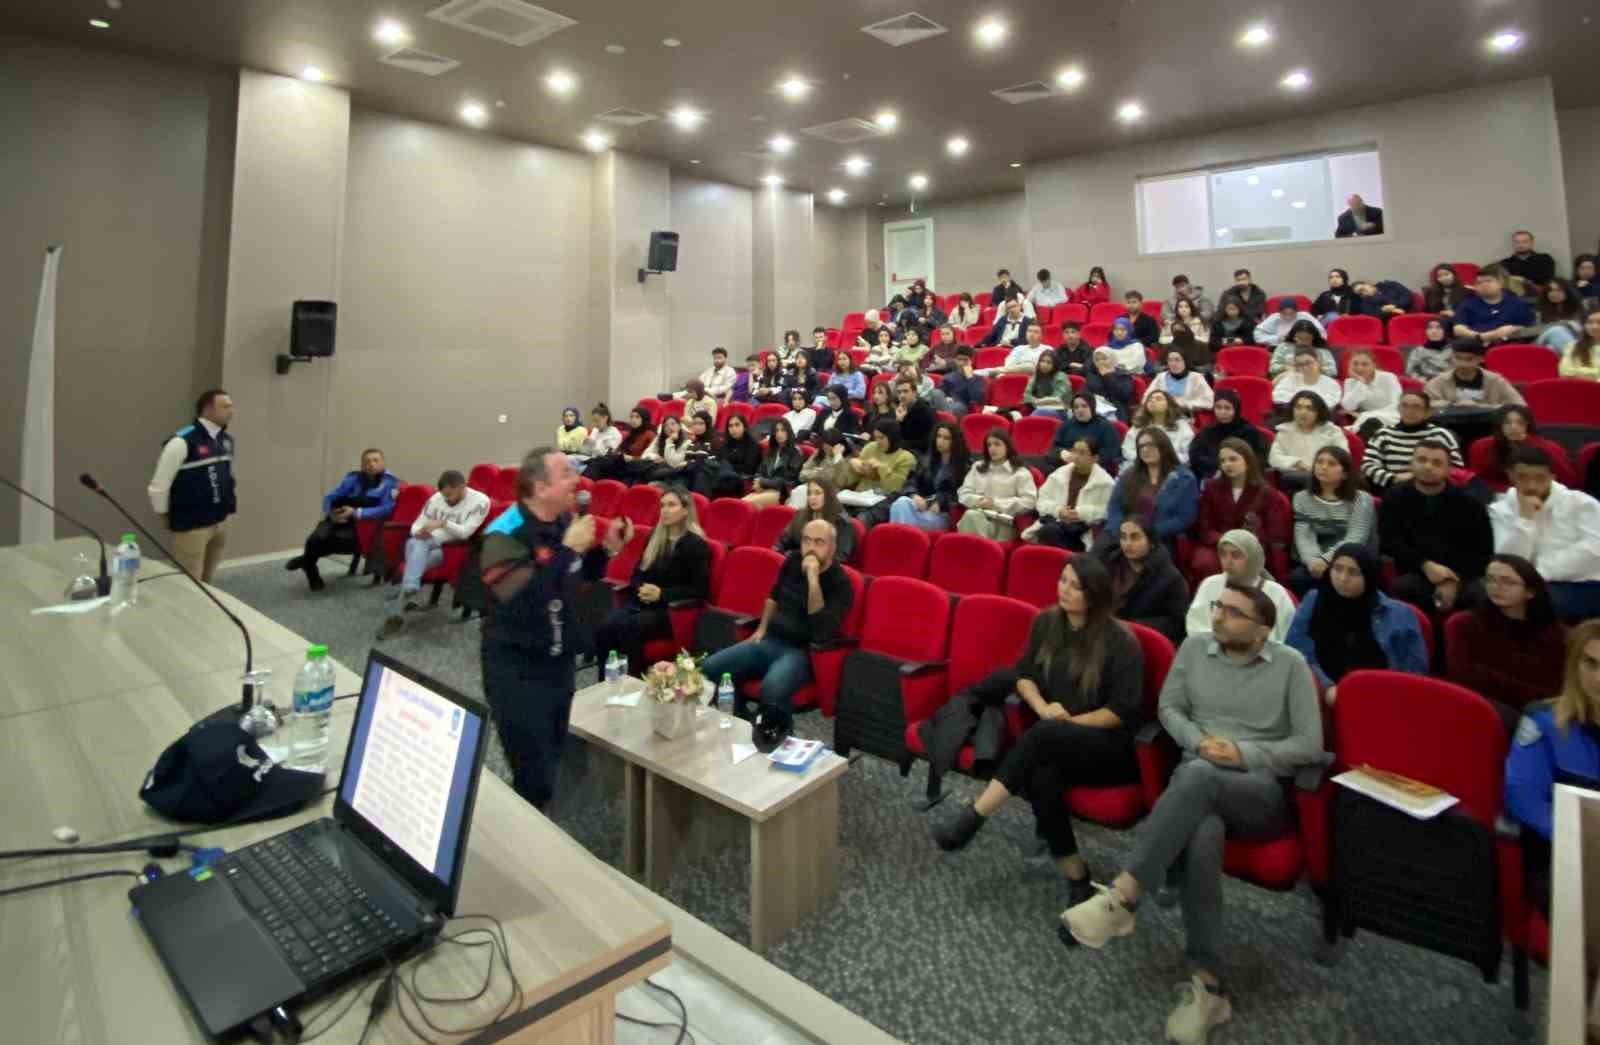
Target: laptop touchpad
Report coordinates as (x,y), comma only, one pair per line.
(223,961)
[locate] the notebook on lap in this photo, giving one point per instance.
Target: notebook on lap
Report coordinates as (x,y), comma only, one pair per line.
(300,913)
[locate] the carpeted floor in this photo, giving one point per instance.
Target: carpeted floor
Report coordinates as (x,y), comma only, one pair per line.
(962,948)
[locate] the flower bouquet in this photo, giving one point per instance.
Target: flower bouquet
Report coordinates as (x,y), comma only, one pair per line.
(674,689)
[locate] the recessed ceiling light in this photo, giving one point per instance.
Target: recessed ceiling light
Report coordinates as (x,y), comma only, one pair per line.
(474,113)
(1253,179)
(837,196)
(1017,164)
(312,74)
(1277,194)
(1223,232)
(857,166)
(1070,78)
(672,41)
(1130,112)
(694,161)
(561,82)
(780,144)
(686,117)
(772,181)
(1256,36)
(499,103)
(887,119)
(390,32)
(99,23)
(595,141)
(794,88)
(918,182)
(1298,204)
(957,146)
(1505,41)
(990,32)
(1298,80)
(616,49)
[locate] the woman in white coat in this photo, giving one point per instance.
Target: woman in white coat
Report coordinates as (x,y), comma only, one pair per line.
(996,490)
(1073,501)
(1371,396)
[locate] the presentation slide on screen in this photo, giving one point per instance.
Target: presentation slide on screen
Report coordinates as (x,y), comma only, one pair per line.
(412,748)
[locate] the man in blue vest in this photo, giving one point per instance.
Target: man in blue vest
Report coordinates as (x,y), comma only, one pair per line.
(365,495)
(192,490)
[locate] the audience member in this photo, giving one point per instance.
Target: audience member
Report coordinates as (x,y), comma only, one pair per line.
(1131,355)
(699,401)
(809,601)
(932,316)
(735,456)
(1186,387)
(1371,396)
(1275,329)
(1183,339)
(1251,298)
(1509,650)
(1113,389)
(790,349)
(1437,534)
(668,456)
(1555,528)
(1556,738)
(1387,460)
(819,499)
(881,469)
(1241,561)
(744,380)
(942,353)
(1156,487)
(845,375)
(837,416)
(452,515)
(1348,624)
(1584,281)
(1006,290)
(1145,326)
(1146,587)
(913,414)
(1337,300)
(1047,292)
(1074,354)
(1514,426)
(1200,306)
(963,388)
(602,438)
(1073,499)
(1011,328)
(1436,354)
(820,356)
(364,495)
(768,382)
(1159,410)
(1024,358)
(831,463)
(717,379)
(880,405)
(934,487)
(1239,498)
(1227,424)
(1443,292)
(801,416)
(910,351)
(1581,360)
(675,565)
(1081,675)
(1083,423)
(570,433)
(872,322)
(997,489)
(1047,390)
(1492,315)
(1094,290)
(1329,513)
(1303,334)
(881,355)
(1559,312)
(966,312)
(1306,377)
(1231,326)
(1299,439)
(1381,299)
(1526,263)
(1468,383)
(629,454)
(1359,219)
(779,469)
(800,377)
(1242,709)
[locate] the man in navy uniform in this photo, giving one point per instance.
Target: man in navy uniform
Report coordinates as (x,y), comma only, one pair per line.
(365,495)
(192,490)
(534,560)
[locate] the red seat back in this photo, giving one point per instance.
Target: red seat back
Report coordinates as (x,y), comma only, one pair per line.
(769,524)
(1071,312)
(967,564)
(1095,335)
(1255,396)
(1585,458)
(1411,328)
(989,358)
(1355,330)
(650,407)
(748,575)
(728,519)
(606,498)
(1520,364)
(988,632)
(1107,312)
(1044,315)
(906,618)
(895,550)
(642,504)
(701,504)
(769,411)
(504,485)
(1158,656)
(1032,435)
(1564,401)
(671,408)
(1032,574)
(1006,391)
(620,568)
(1301,302)
(1244,361)
(975,428)
(482,478)
(744,410)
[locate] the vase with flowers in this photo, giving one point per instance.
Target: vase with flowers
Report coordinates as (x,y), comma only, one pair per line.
(673,689)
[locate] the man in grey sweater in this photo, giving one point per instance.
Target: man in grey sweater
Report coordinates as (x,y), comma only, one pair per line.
(1244,711)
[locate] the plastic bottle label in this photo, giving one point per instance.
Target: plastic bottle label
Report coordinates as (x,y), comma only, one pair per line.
(314,701)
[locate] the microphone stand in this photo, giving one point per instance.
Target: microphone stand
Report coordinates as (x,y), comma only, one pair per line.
(102,584)
(247,697)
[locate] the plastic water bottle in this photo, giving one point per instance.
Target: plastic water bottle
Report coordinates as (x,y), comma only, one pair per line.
(125,573)
(313,708)
(725,701)
(613,666)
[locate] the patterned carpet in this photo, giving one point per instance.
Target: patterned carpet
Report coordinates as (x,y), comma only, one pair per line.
(961,948)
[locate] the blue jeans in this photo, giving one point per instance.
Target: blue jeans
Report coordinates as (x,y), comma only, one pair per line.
(1556,338)
(781,667)
(1575,600)
(422,555)
(904,511)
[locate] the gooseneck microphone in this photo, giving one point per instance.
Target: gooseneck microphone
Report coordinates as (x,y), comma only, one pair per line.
(102,584)
(248,696)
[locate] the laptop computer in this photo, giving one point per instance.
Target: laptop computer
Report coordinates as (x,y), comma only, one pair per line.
(298,914)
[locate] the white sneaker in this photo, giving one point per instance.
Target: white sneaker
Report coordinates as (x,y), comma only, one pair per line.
(1094,922)
(1199,1009)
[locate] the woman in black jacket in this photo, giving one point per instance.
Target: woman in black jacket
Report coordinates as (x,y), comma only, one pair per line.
(839,417)
(822,502)
(1337,300)
(735,456)
(1148,589)
(1110,384)
(675,565)
(1229,424)
(1083,675)
(932,490)
(801,376)
(1231,326)
(779,469)
(1443,292)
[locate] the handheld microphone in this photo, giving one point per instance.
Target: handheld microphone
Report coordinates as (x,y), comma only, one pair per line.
(102,584)
(583,499)
(248,696)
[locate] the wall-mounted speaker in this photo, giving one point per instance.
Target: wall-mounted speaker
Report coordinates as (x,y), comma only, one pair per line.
(663,252)
(312,327)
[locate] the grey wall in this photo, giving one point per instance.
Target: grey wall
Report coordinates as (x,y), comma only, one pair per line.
(711,292)
(1460,170)
(1580,161)
(129,164)
(971,238)
(839,263)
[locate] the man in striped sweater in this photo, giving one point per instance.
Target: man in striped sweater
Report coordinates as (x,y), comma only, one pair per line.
(1388,456)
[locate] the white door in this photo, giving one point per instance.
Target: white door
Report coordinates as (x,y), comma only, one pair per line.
(907,255)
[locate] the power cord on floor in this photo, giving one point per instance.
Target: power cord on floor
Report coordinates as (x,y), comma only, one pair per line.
(681,1027)
(67,881)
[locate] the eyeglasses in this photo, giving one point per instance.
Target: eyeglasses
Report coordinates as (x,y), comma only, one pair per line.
(1218,606)
(1491,581)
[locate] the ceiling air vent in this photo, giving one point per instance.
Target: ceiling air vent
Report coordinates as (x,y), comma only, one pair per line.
(415,60)
(509,21)
(846,132)
(626,117)
(904,29)
(1031,91)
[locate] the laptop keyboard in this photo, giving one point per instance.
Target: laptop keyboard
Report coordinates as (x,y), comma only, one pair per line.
(322,921)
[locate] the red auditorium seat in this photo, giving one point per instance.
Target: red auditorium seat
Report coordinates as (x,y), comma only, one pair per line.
(744,410)
(1521,364)
(1033,572)
(989,358)
(1255,396)
(685,614)
(769,524)
(1044,315)
(670,408)
(642,504)
(1585,458)
(1480,461)
(1243,361)
(391,538)
(895,550)
(904,636)
(650,408)
(1006,391)
(1564,401)
(1107,312)
(967,564)
(1096,335)
(1355,330)
(482,478)
(728,520)
(1301,302)
(504,487)
(606,498)
(1071,312)
(1411,328)
(701,504)
(1119,805)
(1033,434)
(739,593)
(975,429)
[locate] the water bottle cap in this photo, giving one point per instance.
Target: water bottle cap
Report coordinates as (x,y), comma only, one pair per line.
(129,537)
(727,676)
(319,650)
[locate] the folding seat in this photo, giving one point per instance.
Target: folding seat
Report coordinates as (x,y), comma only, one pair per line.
(969,336)
(728,519)
(1355,330)
(1411,384)
(650,407)
(898,673)
(1107,312)
(1358,449)
(606,498)
(1051,334)
(859,547)
(685,614)
(642,504)
(504,486)
(987,633)
(1072,312)
(1466,272)
(701,504)
(854,323)
(975,428)
(739,592)
(967,564)
(455,559)
(670,408)
(1389,358)
(390,540)
(1521,364)
(768,412)
(1151,308)
(482,478)
(1564,401)
(1301,302)
(1044,315)
(895,550)
(1032,435)
(987,315)
(1032,573)
(1096,334)
(1255,396)
(1243,361)
(948,303)
(743,410)
(768,525)
(1411,328)
(1006,391)
(989,358)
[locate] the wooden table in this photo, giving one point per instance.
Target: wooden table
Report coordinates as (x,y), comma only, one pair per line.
(86,705)
(684,797)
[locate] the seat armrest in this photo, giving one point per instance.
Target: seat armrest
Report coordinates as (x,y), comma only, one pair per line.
(687,604)
(912,668)
(1147,733)
(615,585)
(838,642)
(1506,827)
(742,620)
(1310,778)
(390,524)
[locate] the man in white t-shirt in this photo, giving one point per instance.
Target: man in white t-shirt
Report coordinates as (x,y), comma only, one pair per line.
(452,515)
(1047,292)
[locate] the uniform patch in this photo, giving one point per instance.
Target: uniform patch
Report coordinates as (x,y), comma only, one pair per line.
(1528,731)
(544,555)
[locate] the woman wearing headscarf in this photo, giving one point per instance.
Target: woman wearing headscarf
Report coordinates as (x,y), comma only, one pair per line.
(570,434)
(1130,351)
(1185,386)
(1109,385)
(1243,560)
(1083,423)
(1229,424)
(1348,624)
(1337,300)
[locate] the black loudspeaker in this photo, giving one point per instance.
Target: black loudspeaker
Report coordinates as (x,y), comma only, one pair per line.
(311,329)
(663,252)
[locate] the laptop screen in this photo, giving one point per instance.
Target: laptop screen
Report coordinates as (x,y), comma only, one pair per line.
(411,769)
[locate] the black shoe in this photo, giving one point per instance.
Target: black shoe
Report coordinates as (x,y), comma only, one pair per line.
(295,563)
(955,833)
(1065,935)
(314,578)
(393,624)
(1080,889)
(412,606)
